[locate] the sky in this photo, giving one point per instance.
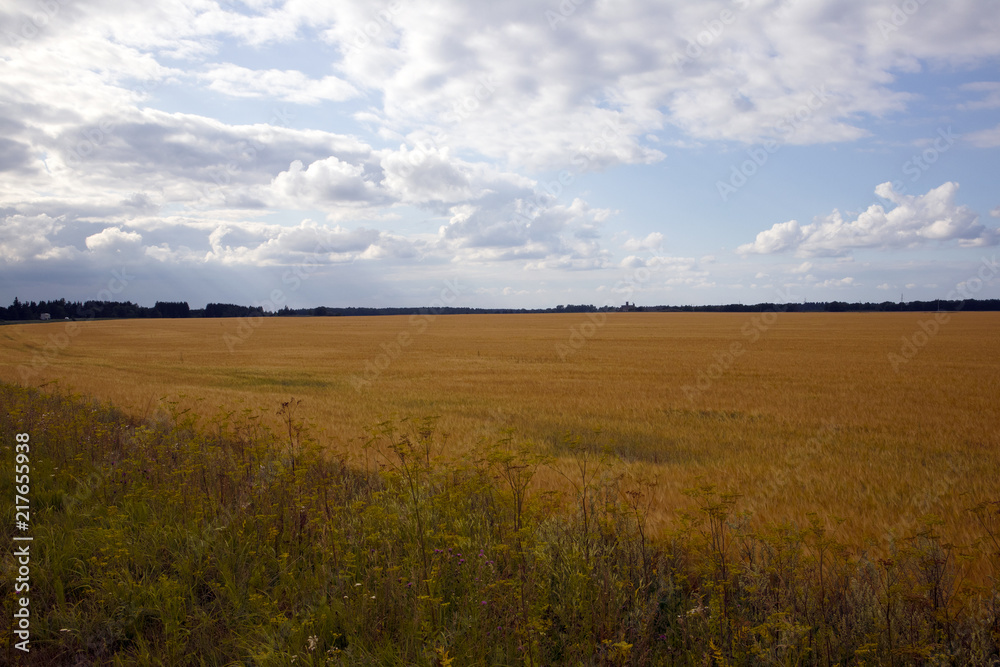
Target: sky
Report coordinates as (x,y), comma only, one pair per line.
(516,154)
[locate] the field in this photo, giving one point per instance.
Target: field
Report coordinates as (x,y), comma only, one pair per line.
(620,489)
(807,413)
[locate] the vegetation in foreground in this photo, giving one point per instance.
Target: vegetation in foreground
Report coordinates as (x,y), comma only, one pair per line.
(220,541)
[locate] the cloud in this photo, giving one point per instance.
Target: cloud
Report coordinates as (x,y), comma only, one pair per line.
(502,83)
(24,238)
(652,241)
(326,182)
(292,86)
(546,234)
(113,240)
(915,220)
(15,156)
(836,282)
(612,75)
(991,95)
(989,138)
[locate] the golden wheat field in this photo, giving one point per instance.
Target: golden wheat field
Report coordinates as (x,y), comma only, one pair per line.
(798,413)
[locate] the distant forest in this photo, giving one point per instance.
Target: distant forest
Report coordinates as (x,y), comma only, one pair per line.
(87,310)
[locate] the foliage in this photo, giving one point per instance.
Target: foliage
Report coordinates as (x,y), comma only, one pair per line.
(194,539)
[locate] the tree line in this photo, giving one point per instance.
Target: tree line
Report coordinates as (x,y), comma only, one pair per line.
(62,309)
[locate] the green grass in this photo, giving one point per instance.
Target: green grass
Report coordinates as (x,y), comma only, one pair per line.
(210,539)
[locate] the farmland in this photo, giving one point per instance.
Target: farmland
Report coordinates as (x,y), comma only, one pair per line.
(807,413)
(645,489)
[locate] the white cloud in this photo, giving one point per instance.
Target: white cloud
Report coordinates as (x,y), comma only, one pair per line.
(989,138)
(289,85)
(326,182)
(113,239)
(990,91)
(23,238)
(652,241)
(914,221)
(837,282)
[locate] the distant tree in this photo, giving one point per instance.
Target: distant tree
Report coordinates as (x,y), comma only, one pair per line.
(172,309)
(232,310)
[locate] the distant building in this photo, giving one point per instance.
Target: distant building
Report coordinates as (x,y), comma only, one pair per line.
(628,307)
(46,316)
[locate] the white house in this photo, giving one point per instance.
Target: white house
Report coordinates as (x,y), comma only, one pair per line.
(46,316)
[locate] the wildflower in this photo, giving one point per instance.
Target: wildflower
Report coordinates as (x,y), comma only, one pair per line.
(311,642)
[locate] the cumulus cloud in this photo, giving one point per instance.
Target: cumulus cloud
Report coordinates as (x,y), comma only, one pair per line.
(113,240)
(547,234)
(652,241)
(614,74)
(290,85)
(329,181)
(914,221)
(836,282)
(23,238)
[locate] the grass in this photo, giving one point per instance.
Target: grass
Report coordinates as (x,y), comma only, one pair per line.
(810,418)
(218,539)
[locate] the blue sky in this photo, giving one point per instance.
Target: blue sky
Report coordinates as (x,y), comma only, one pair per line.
(533,153)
